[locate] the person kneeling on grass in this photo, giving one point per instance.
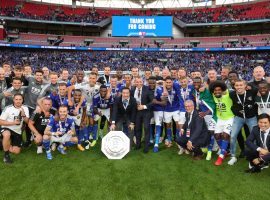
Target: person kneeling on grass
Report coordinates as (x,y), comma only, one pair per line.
(60,130)
(39,121)
(258,143)
(195,133)
(11,120)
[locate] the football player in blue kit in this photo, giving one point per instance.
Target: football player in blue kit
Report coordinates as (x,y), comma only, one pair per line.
(102,109)
(89,90)
(60,129)
(79,116)
(172,109)
(58,98)
(159,103)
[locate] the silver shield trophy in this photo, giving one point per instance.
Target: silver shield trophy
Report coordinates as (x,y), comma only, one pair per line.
(115,145)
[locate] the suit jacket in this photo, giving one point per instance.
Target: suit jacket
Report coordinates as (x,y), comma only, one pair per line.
(254,141)
(146,96)
(199,135)
(120,113)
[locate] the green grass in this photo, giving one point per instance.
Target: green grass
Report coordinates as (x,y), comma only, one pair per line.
(164,175)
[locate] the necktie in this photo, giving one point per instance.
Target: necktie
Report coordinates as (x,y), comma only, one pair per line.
(262,137)
(125,103)
(139,94)
(188,119)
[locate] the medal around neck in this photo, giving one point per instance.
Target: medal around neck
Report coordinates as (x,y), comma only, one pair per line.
(115,145)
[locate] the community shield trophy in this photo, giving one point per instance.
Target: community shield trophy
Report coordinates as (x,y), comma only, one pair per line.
(115,145)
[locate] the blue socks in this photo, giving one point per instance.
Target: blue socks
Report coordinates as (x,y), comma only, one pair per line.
(158,132)
(95,129)
(169,134)
(224,146)
(86,132)
(46,144)
(79,134)
(69,144)
(212,141)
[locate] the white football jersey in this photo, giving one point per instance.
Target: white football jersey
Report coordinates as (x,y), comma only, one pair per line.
(88,91)
(10,113)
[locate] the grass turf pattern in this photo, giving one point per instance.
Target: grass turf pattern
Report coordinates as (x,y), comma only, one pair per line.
(163,175)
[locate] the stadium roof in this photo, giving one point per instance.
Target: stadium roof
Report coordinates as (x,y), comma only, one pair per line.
(143,3)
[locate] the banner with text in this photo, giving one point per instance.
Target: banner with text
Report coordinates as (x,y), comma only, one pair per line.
(142,26)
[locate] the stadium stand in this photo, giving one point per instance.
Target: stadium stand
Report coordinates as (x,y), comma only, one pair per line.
(259,10)
(242,62)
(252,11)
(49,12)
(243,41)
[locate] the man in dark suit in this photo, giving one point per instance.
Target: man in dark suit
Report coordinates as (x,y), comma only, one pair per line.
(258,143)
(195,133)
(144,100)
(124,112)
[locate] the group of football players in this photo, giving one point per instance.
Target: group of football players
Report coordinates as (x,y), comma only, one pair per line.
(57,111)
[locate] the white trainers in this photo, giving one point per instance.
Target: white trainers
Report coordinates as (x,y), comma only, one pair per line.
(39,150)
(187,152)
(232,161)
(181,151)
(32,137)
(160,140)
(88,143)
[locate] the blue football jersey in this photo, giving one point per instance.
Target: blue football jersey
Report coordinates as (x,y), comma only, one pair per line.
(173,98)
(186,94)
(157,96)
(61,126)
(72,108)
(102,103)
(114,93)
(57,101)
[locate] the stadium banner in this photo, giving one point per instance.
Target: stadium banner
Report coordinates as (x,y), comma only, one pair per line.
(142,26)
(260,48)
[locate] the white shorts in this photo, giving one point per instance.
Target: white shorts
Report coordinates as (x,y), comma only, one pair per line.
(224,126)
(152,120)
(168,116)
(89,110)
(158,117)
(210,122)
(105,112)
(77,119)
(182,118)
(65,138)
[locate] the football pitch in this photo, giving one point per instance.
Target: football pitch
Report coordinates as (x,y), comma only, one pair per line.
(163,175)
